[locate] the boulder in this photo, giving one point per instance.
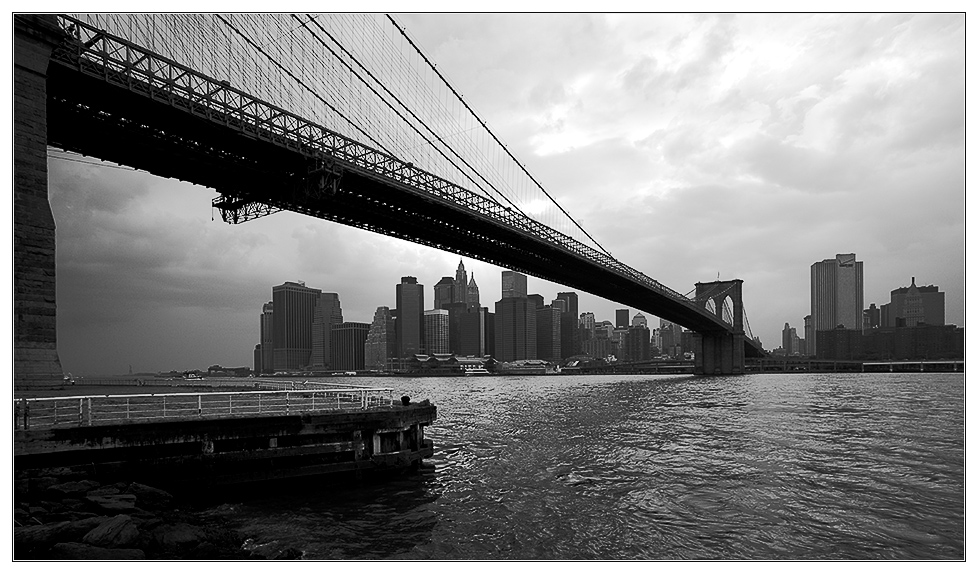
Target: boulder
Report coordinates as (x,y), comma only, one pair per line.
(178,536)
(150,497)
(104,491)
(42,483)
(73,489)
(29,540)
(112,504)
(79,551)
(116,532)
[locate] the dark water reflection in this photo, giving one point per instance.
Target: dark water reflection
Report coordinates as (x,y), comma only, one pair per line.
(862,466)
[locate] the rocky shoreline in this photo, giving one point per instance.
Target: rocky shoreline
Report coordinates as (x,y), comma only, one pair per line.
(61,515)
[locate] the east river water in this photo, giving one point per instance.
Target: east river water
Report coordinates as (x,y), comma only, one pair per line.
(758,467)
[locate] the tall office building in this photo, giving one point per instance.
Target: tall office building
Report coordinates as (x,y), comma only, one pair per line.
(461,284)
(514,284)
(587,326)
(516,329)
(570,333)
(348,344)
(913,305)
(472,332)
(548,333)
(265,348)
(809,337)
(444,293)
(472,294)
(638,343)
(671,338)
(837,295)
(639,320)
(621,318)
(790,342)
(618,336)
(327,313)
(516,320)
(294,306)
(436,331)
(410,317)
(381,344)
(871,317)
(455,313)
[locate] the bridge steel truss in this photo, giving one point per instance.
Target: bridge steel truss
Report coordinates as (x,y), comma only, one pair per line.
(112,99)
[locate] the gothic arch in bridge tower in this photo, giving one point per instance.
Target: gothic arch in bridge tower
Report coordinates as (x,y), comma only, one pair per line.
(721,352)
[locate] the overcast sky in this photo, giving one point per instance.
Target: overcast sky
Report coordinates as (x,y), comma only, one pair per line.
(690,146)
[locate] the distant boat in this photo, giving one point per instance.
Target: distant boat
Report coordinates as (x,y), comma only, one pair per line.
(475,371)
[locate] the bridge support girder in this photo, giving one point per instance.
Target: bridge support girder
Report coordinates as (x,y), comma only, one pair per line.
(36,361)
(721,352)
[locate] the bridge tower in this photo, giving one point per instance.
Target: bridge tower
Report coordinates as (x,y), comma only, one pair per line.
(721,352)
(36,362)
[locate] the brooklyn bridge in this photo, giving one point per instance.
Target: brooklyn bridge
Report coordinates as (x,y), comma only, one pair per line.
(339,117)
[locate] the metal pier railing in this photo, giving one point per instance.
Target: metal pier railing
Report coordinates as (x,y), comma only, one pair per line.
(91,410)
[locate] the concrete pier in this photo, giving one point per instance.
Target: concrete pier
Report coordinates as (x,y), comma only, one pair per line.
(196,454)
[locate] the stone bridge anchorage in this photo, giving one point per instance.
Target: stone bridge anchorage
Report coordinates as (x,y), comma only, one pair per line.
(82,89)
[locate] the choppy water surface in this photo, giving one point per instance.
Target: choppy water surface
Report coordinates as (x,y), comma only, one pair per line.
(834,466)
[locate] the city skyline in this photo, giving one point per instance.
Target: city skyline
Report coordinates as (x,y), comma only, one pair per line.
(750,147)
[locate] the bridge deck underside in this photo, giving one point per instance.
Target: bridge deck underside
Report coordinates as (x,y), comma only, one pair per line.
(95,118)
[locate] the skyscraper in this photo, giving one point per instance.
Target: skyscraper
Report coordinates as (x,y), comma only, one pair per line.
(472,294)
(638,343)
(514,284)
(913,305)
(444,293)
(472,332)
(461,284)
(639,320)
(570,333)
(548,333)
(436,331)
(516,329)
(294,306)
(516,320)
(266,345)
(410,317)
(790,343)
(348,343)
(837,295)
(381,344)
(327,313)
(621,318)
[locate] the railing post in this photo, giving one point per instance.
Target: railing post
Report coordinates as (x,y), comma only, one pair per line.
(199,410)
(230,404)
(89,411)
(363,399)
(259,403)
(81,412)
(287,402)
(127,408)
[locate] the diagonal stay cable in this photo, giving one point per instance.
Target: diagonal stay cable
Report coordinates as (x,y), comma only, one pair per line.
(402,104)
(496,139)
(301,83)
